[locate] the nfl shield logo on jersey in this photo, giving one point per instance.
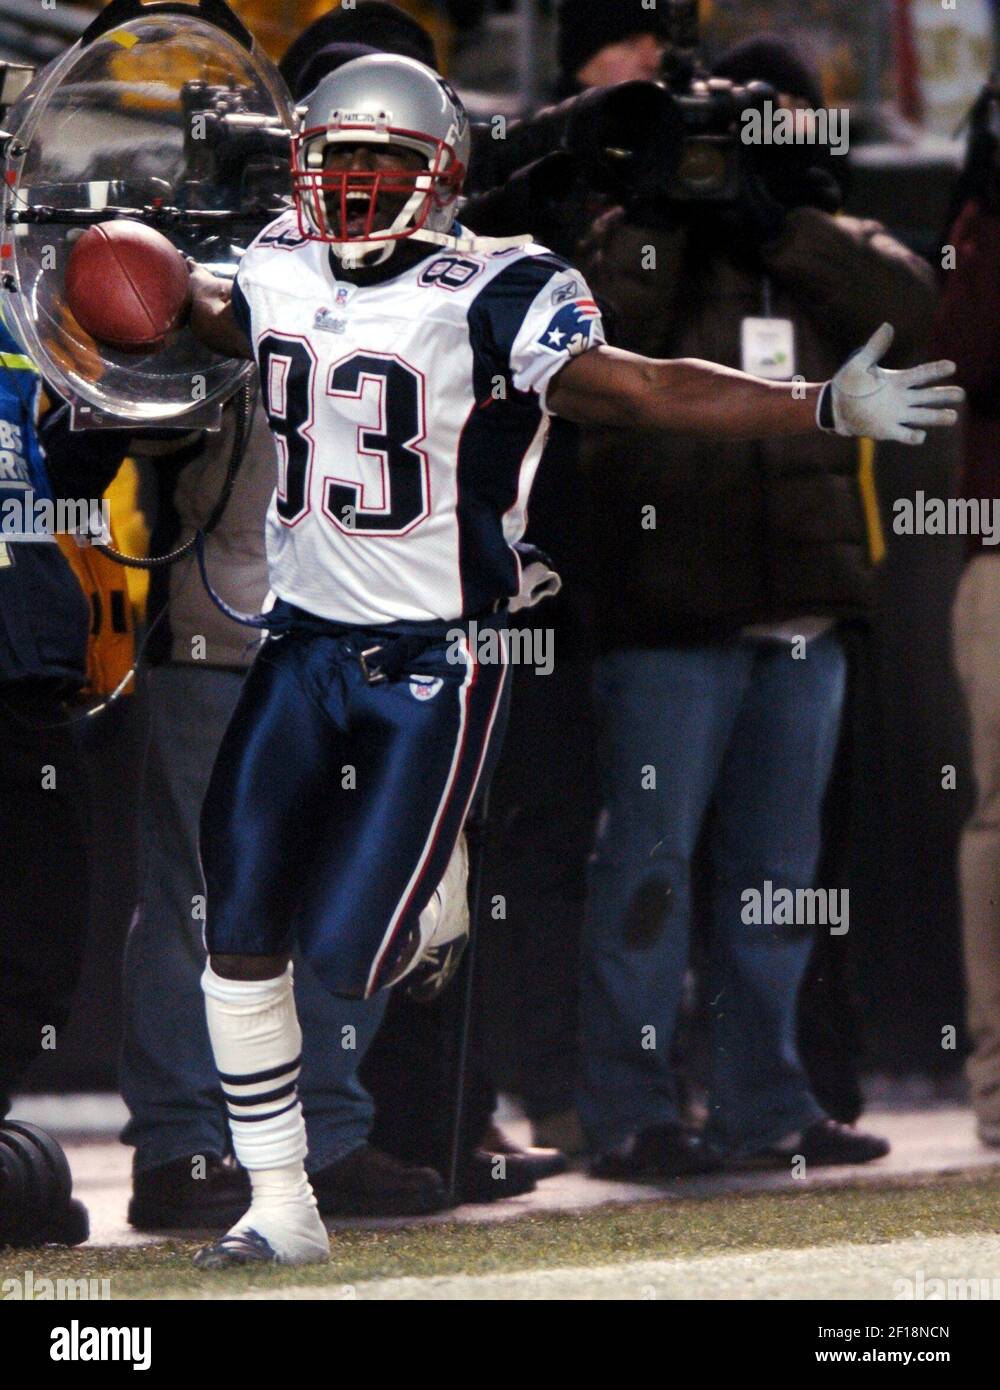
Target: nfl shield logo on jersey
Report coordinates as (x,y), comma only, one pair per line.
(425,687)
(571,329)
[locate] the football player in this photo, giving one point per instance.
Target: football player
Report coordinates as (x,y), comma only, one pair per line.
(408,371)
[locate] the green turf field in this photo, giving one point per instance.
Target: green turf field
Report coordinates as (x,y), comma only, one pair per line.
(610,1235)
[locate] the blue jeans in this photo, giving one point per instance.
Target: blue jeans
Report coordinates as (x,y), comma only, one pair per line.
(168,1073)
(749,729)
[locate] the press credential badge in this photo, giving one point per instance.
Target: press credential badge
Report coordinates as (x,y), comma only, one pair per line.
(768,347)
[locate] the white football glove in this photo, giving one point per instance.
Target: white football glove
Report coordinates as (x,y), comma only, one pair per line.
(868,401)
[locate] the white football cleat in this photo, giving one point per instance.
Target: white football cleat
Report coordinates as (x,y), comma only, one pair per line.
(439,940)
(286,1233)
(445,944)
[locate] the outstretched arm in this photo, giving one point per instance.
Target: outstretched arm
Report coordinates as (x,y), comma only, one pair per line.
(606,386)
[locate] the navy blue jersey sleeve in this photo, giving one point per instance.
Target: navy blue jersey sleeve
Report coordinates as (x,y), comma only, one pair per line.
(531,319)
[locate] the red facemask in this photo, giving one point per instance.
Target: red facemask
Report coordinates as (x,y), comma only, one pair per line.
(327,200)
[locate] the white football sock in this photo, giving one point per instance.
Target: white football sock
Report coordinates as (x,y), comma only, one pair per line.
(283,1210)
(257,1044)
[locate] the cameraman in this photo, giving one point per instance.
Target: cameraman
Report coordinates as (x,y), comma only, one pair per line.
(724,582)
(604,45)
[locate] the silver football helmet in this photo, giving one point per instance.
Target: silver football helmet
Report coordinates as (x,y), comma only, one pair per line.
(382,102)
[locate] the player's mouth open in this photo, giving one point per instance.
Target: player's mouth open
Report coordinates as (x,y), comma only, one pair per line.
(360,220)
(357,214)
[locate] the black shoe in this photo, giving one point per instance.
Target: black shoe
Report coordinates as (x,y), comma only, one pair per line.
(242,1248)
(371,1183)
(541,1163)
(489,1177)
(662,1151)
(826,1143)
(170,1197)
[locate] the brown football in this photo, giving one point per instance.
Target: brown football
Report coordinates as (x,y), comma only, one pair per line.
(126,284)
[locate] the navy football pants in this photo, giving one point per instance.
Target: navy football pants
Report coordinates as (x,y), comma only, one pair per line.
(335,804)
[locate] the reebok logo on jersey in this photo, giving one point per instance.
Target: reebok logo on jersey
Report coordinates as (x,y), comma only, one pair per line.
(425,687)
(326,319)
(571,330)
(571,290)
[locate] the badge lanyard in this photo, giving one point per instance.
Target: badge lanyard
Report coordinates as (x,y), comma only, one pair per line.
(768,343)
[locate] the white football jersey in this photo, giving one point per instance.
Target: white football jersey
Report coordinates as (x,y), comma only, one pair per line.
(409,418)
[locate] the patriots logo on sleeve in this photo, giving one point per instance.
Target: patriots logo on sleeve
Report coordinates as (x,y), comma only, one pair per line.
(571,329)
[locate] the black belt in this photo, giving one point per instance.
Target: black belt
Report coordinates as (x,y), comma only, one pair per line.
(390,654)
(389,660)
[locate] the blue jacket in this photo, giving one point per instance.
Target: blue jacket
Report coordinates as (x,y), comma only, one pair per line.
(43,613)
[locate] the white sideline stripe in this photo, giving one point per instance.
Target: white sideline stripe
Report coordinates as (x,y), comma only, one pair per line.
(847,1271)
(99,1112)
(102,1114)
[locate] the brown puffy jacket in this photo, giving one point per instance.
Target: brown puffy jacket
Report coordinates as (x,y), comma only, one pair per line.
(756,531)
